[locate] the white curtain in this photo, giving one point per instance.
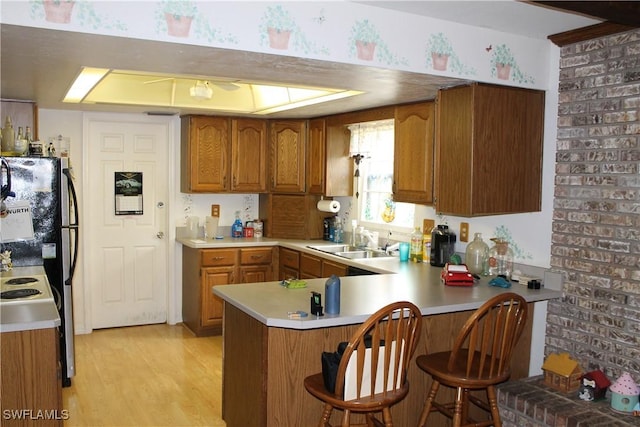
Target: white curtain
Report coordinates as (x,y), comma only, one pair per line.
(366,136)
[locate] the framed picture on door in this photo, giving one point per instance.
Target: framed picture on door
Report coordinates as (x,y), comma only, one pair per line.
(128,193)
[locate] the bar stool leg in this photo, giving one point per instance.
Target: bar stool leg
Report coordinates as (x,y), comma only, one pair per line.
(427,404)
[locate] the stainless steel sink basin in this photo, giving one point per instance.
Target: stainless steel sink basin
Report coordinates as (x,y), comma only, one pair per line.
(351,252)
(332,249)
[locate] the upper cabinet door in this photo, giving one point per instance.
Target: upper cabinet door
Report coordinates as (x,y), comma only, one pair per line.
(204,157)
(287,149)
(248,155)
(316,157)
(489,150)
(413,153)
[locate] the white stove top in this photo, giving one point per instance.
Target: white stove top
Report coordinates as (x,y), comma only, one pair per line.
(35,284)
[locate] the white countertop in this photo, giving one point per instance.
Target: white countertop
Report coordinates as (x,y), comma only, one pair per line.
(361,296)
(29,315)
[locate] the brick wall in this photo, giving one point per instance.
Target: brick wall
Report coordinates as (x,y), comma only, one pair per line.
(596,219)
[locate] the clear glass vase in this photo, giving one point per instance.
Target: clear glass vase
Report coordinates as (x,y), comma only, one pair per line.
(501,259)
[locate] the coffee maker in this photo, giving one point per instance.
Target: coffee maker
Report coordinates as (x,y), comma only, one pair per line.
(327,224)
(443,242)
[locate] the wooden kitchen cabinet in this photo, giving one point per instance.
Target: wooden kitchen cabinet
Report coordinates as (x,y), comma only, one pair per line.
(332,267)
(255,265)
(316,152)
(329,167)
(222,154)
(204,154)
(248,155)
(288,155)
(489,150)
(413,153)
(31,377)
(310,266)
(289,264)
(202,269)
(291,216)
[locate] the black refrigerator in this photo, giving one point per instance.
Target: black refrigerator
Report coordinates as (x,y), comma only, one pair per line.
(46,184)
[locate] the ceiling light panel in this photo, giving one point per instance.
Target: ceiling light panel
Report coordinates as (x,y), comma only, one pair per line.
(120,87)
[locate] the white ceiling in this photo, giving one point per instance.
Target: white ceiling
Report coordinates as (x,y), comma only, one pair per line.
(40,64)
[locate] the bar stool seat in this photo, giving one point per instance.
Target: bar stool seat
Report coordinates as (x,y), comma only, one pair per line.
(479,360)
(372,373)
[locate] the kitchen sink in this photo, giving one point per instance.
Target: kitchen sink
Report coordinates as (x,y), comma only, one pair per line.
(351,252)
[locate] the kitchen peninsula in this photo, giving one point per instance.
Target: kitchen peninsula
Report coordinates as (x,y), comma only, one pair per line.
(267,355)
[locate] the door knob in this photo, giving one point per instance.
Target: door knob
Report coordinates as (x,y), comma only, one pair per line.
(160,235)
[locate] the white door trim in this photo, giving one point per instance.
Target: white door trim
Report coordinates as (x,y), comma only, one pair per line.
(174,294)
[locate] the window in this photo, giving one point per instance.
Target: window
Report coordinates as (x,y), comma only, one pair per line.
(372,148)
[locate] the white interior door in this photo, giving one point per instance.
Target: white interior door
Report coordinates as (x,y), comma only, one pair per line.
(127,254)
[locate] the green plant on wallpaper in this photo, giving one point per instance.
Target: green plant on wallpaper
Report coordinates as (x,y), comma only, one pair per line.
(279,30)
(61,12)
(177,17)
(441,56)
(365,43)
(503,232)
(505,67)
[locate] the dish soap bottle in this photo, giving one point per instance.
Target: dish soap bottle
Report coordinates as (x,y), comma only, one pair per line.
(415,251)
(236,227)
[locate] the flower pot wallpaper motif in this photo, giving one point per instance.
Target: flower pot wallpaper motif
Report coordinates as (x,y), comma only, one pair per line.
(177,25)
(81,12)
(366,44)
(279,30)
(58,11)
(278,25)
(178,15)
(505,67)
(440,56)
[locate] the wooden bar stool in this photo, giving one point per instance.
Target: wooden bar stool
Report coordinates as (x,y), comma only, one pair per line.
(479,360)
(372,374)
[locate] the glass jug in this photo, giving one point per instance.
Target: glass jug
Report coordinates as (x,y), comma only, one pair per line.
(476,255)
(501,259)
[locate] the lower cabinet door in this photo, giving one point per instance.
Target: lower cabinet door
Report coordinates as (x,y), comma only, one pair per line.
(212,306)
(255,273)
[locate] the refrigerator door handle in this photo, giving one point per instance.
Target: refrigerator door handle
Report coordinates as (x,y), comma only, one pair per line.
(73,226)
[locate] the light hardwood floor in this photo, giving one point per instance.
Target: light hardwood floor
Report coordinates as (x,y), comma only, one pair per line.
(154,375)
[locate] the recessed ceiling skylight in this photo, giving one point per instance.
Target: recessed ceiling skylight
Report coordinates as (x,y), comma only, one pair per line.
(121,87)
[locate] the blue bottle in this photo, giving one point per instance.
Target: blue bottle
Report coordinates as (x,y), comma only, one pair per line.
(332,295)
(236,227)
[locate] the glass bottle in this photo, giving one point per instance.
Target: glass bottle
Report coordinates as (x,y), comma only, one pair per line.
(476,255)
(426,245)
(501,259)
(415,250)
(21,145)
(337,230)
(8,137)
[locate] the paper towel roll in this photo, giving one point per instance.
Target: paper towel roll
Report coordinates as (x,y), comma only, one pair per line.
(329,206)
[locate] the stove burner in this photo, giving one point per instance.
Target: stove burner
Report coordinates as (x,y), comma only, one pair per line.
(21,281)
(19,293)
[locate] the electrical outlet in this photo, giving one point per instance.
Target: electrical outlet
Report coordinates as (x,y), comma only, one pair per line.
(464,231)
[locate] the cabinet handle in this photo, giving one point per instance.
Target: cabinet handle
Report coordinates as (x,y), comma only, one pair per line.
(235,181)
(257,256)
(224,182)
(218,258)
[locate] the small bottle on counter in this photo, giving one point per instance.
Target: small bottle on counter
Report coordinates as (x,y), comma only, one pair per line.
(338,232)
(415,250)
(236,227)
